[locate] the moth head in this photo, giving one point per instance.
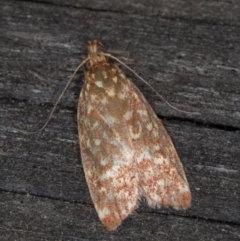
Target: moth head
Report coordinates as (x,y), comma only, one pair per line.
(95,56)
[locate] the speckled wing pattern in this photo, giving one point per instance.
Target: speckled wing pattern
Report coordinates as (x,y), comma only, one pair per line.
(126,152)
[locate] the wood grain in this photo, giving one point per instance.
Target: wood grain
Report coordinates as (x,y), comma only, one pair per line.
(189,52)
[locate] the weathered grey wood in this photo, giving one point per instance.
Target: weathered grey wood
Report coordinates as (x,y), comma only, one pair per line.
(204,11)
(37,218)
(190,54)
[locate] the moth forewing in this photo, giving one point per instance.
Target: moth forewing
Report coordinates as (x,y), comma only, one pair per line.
(126,152)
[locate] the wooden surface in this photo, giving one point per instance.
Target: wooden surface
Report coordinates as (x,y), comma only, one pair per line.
(189,52)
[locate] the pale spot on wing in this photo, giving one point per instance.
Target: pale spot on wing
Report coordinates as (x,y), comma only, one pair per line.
(93,97)
(117,161)
(105,136)
(115,143)
(128,152)
(155,133)
(110,92)
(115,79)
(121,194)
(106,176)
(135,96)
(104,162)
(149,126)
(93,149)
(99,84)
(123,212)
(161,183)
(86,94)
(144,155)
(151,203)
(121,95)
(96,124)
(89,109)
(104,100)
(104,74)
(137,134)
(103,213)
(103,190)
(92,76)
(184,189)
(159,160)
(103,177)
(156,147)
(88,143)
(142,112)
(110,120)
(109,174)
(128,115)
(97,142)
(125,88)
(167,162)
(88,86)
(132,204)
(155,125)
(88,173)
(122,75)
(156,197)
(114,70)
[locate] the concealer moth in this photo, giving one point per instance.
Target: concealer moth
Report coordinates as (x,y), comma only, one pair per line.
(127,154)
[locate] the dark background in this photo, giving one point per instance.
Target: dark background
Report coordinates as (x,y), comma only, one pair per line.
(189,51)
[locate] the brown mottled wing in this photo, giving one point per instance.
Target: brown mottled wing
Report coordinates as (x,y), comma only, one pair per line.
(106,148)
(126,152)
(162,178)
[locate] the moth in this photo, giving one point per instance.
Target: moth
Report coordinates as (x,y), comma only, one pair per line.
(126,152)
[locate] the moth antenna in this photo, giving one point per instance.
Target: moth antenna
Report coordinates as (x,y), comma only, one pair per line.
(58,100)
(173,107)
